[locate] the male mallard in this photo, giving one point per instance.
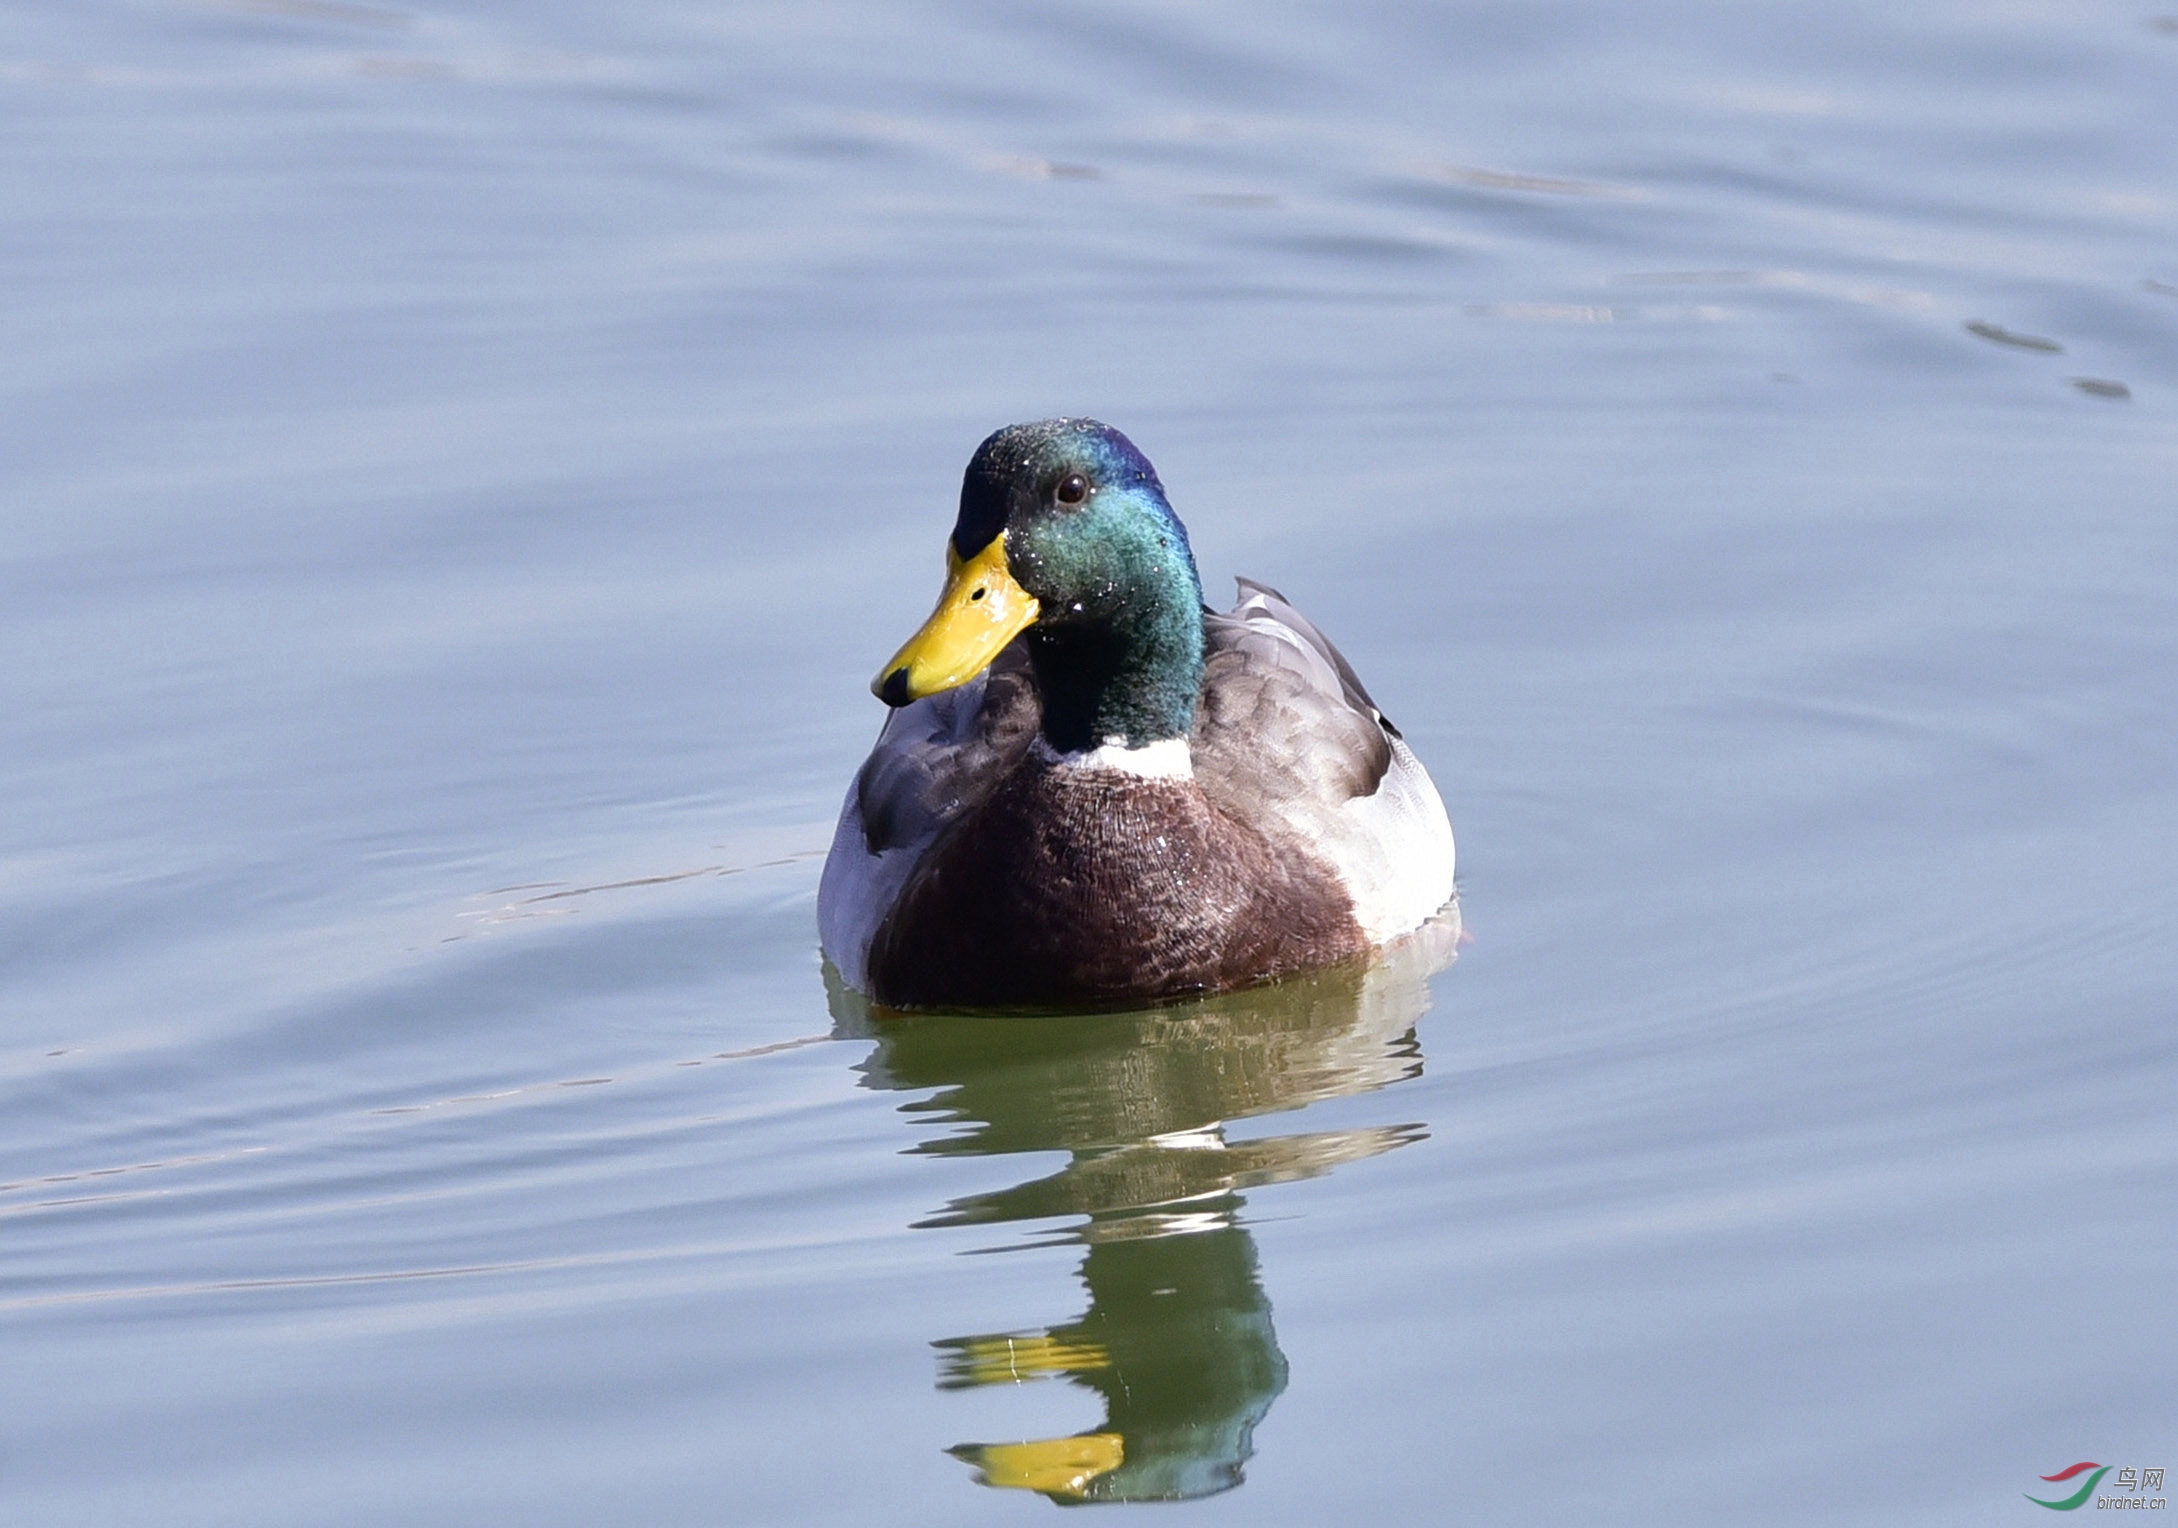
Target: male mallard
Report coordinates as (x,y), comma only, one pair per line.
(1093,790)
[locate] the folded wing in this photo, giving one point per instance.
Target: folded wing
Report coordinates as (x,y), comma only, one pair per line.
(1287,737)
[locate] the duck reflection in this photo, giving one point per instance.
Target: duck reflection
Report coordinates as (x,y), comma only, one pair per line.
(1177,1340)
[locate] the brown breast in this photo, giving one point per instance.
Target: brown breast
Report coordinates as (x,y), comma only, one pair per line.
(1072,886)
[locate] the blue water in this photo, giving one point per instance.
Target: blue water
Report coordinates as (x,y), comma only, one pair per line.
(459,467)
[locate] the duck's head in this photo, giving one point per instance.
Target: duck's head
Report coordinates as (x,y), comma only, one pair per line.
(1064,532)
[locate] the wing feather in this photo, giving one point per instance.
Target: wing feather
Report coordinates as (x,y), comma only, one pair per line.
(1287,737)
(932,761)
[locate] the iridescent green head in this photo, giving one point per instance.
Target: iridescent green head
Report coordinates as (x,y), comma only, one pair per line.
(1064,533)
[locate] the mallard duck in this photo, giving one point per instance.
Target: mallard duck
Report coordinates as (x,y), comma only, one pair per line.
(1094,791)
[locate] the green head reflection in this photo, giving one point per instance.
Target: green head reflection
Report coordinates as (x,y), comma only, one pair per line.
(1177,1341)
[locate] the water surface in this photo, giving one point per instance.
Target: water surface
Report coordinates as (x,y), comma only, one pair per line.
(461,467)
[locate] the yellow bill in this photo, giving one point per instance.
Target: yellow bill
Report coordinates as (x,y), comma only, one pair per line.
(981,610)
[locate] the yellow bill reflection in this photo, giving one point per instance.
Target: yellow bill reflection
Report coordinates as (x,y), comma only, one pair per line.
(1177,1343)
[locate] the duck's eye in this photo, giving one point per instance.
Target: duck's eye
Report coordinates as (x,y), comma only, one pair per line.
(1072,489)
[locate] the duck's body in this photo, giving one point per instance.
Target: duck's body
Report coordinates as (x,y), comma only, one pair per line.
(1138,798)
